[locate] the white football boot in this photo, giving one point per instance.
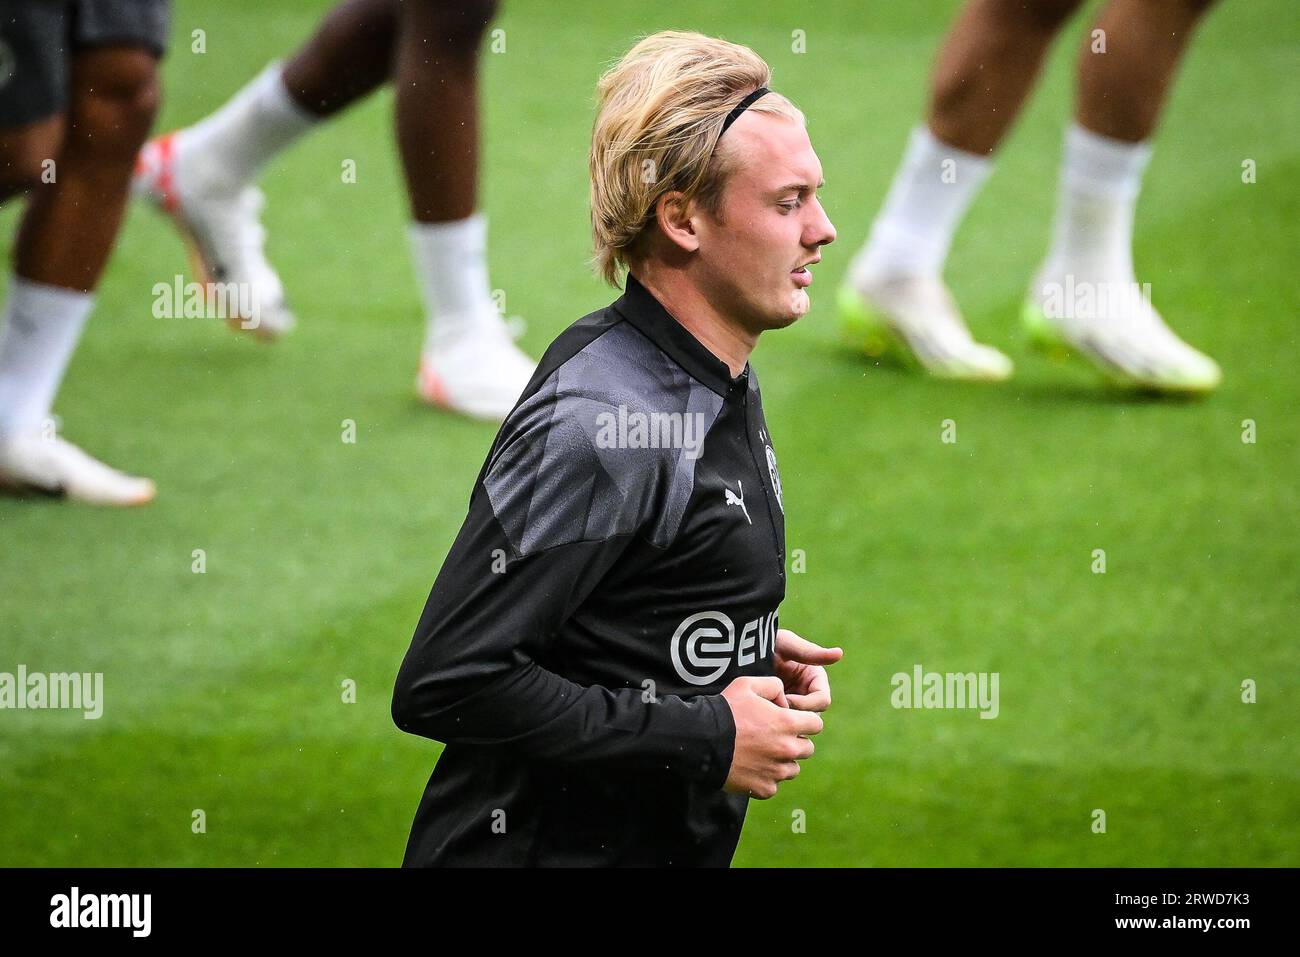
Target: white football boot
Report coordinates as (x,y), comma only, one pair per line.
(222,228)
(915,321)
(1114,327)
(36,464)
(479,372)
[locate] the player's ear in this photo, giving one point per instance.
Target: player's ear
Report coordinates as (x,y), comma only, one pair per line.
(673,213)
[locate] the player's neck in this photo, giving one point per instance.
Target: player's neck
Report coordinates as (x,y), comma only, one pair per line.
(720,334)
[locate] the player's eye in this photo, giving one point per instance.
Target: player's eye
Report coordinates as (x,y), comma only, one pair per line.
(790,205)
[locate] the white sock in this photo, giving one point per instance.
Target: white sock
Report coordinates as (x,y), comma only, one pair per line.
(41,327)
(451,264)
(1093,232)
(228,148)
(932,190)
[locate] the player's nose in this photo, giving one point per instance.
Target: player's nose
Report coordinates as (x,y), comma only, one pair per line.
(821,230)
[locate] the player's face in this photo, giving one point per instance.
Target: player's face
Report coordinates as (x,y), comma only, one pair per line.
(770,226)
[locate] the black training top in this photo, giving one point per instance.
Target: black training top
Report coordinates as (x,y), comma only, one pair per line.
(622,562)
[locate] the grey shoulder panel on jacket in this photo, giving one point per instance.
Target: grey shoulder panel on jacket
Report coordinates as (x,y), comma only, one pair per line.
(605,446)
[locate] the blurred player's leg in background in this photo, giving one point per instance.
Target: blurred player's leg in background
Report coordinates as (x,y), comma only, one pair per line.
(469,361)
(205,174)
(895,299)
(1120,96)
(73,115)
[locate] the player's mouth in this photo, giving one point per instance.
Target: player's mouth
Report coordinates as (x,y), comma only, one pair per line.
(801,275)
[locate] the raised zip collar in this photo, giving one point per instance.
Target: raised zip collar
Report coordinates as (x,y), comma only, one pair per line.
(639,306)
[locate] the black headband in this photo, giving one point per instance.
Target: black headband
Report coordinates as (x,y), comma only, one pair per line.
(741,107)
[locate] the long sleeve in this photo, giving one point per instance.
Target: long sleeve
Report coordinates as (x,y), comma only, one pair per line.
(552,513)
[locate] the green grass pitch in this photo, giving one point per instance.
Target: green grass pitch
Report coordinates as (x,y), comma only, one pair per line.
(1119,692)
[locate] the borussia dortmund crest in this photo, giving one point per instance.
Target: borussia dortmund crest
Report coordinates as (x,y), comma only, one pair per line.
(775,476)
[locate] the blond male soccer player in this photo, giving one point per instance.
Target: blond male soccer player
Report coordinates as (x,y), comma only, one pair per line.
(600,652)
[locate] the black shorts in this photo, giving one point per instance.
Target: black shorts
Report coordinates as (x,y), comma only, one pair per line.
(38,37)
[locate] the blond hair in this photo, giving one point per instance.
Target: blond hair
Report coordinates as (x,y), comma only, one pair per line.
(660,111)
